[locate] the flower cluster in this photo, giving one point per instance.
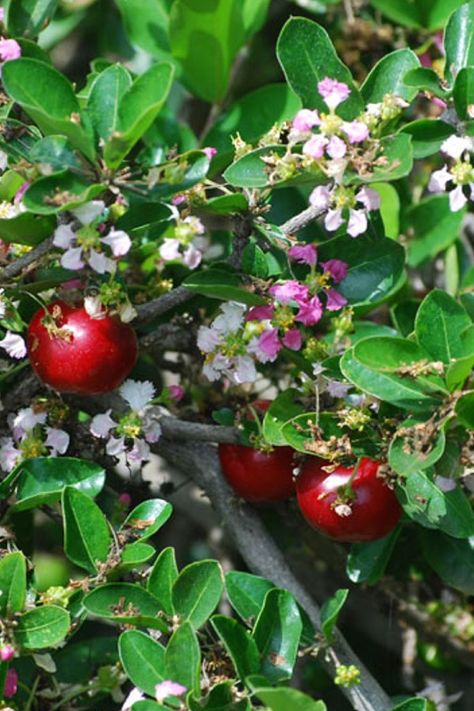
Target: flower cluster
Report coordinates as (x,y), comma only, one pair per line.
(187,243)
(239,336)
(86,245)
(458,179)
(32,436)
(135,430)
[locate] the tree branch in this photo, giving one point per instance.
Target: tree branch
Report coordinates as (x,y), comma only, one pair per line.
(296,223)
(16,267)
(263,557)
(198,432)
(164,303)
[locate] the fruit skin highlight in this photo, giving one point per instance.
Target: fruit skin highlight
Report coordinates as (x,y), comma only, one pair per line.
(325,501)
(74,353)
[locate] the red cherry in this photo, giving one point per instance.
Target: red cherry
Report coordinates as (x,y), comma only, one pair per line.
(74,353)
(373,512)
(258,476)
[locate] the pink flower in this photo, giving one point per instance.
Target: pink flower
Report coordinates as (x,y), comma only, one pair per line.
(9,49)
(369,198)
(176,392)
(333,220)
(356,131)
(357,223)
(6,653)
(292,339)
(305,120)
(125,500)
(310,312)
(320,197)
(335,300)
(333,92)
(169,250)
(178,199)
(118,241)
(314,148)
(168,688)
(192,257)
(260,313)
(336,148)
(11,684)
(289,291)
(305,254)
(210,152)
(336,268)
(266,347)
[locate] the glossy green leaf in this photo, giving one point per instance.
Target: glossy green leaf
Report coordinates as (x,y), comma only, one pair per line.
(404,461)
(187,171)
(430,14)
(282,699)
(227,204)
(398,160)
(463,92)
(28,17)
(451,558)
(427,136)
(135,554)
(277,632)
(147,518)
(12,583)
(307,56)
(48,98)
(414,704)
(56,152)
(197,591)
(246,593)
(239,644)
(282,409)
(42,627)
(254,261)
(220,284)
(459,40)
(147,25)
(433,228)
(183,658)
(424,502)
(73,190)
(251,171)
(86,532)
(105,98)
(366,562)
(425,79)
(125,603)
(439,325)
(388,77)
(43,479)
(465,410)
(26,228)
(139,105)
(162,578)
(331,610)
(143,660)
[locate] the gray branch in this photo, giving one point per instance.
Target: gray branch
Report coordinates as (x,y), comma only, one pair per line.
(198,432)
(16,267)
(296,223)
(164,303)
(264,558)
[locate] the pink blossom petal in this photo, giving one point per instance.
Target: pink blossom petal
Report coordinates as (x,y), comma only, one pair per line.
(64,237)
(457,199)
(333,92)
(333,220)
(118,241)
(320,197)
(439,179)
(289,291)
(292,339)
(169,250)
(139,453)
(168,688)
(336,148)
(9,49)
(336,268)
(100,263)
(210,152)
(304,253)
(305,120)
(115,446)
(260,313)
(311,312)
(335,300)
(6,653)
(9,455)
(101,425)
(192,257)
(176,392)
(314,148)
(369,198)
(357,222)
(57,440)
(356,131)
(72,259)
(267,346)
(244,371)
(207,339)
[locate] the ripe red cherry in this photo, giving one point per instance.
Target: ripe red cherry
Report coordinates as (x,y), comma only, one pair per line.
(74,353)
(258,477)
(374,511)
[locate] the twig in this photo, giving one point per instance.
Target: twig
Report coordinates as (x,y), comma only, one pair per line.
(164,303)
(170,337)
(16,267)
(263,557)
(296,223)
(198,432)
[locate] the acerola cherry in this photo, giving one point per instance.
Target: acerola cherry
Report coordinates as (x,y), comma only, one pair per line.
(74,353)
(256,476)
(322,497)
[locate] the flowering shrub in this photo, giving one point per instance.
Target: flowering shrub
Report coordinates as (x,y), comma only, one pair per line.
(291,240)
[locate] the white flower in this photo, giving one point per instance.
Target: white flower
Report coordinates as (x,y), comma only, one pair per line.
(100,263)
(89,212)
(151,428)
(94,308)
(230,319)
(134,696)
(127,312)
(118,241)
(192,257)
(439,179)
(3,303)
(357,222)
(169,250)
(3,160)
(457,199)
(336,148)
(333,220)
(64,237)
(168,688)
(72,259)
(207,339)
(137,393)
(115,446)
(101,425)
(244,371)
(369,198)
(76,256)
(139,453)
(9,455)
(320,197)
(455,146)
(26,419)
(57,440)
(14,345)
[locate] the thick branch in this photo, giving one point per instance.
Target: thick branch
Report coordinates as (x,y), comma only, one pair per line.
(263,557)
(170,337)
(197,432)
(296,223)
(164,303)
(16,267)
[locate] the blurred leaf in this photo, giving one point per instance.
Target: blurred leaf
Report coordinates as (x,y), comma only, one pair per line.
(28,17)
(246,592)
(86,532)
(440,323)
(415,704)
(387,76)
(254,261)
(459,39)
(227,204)
(26,228)
(125,603)
(143,660)
(330,611)
(366,562)
(147,518)
(183,658)
(162,578)
(81,659)
(105,98)
(42,627)
(12,583)
(307,56)
(220,284)
(403,316)
(190,169)
(465,409)
(55,151)
(197,591)
(147,25)
(463,93)
(389,208)
(433,226)
(282,409)
(254,14)
(429,14)
(426,79)
(427,135)
(282,699)
(59,192)
(451,558)
(239,644)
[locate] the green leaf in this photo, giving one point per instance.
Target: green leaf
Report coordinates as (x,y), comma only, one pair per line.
(48,98)
(80,660)
(424,502)
(227,204)
(331,610)
(251,171)
(26,228)
(197,591)
(439,325)
(427,136)
(282,699)
(254,14)
(220,284)
(12,583)
(139,105)
(28,17)
(277,633)
(254,261)
(389,208)
(433,226)
(426,79)
(134,555)
(414,704)
(59,192)
(398,160)
(366,562)
(388,77)
(143,660)
(125,603)
(239,644)
(404,460)
(282,409)
(42,627)
(148,706)
(430,14)
(246,593)
(147,518)
(465,410)
(147,25)
(56,152)
(162,578)
(86,532)
(451,558)
(188,170)
(307,56)
(459,40)
(43,479)
(463,93)
(183,658)
(105,97)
